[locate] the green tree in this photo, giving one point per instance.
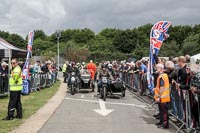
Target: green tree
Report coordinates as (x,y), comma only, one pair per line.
(83,35)
(4,34)
(179,33)
(17,41)
(73,52)
(41,47)
(66,35)
(39,34)
(196,29)
(140,52)
(109,33)
(169,49)
(191,45)
(125,41)
(101,44)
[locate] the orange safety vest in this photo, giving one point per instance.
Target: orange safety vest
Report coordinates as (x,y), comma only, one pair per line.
(164,95)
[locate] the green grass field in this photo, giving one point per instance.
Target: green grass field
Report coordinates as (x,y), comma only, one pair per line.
(30,104)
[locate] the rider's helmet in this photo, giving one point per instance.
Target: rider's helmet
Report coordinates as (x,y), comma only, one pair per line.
(78,64)
(73,64)
(110,66)
(103,67)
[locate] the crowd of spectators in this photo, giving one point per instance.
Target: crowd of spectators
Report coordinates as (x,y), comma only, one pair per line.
(49,67)
(184,80)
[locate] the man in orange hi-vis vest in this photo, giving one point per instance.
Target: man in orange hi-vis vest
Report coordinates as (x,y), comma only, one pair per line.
(162,96)
(91,67)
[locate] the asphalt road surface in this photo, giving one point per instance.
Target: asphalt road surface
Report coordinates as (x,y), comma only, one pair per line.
(84,112)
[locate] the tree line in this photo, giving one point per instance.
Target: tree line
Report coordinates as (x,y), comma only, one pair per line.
(110,43)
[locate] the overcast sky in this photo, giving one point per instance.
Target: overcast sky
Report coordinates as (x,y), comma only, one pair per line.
(21,16)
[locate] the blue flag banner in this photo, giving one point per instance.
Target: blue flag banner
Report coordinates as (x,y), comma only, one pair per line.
(158,34)
(25,70)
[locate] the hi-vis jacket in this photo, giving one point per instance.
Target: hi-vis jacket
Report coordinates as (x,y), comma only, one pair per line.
(64,68)
(15,80)
(164,94)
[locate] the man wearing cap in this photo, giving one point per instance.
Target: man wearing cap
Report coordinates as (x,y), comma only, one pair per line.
(162,96)
(4,68)
(15,83)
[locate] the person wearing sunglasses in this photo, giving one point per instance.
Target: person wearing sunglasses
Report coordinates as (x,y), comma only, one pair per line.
(15,83)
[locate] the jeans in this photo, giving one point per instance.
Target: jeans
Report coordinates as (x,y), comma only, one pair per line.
(180,108)
(99,84)
(174,95)
(143,83)
(136,77)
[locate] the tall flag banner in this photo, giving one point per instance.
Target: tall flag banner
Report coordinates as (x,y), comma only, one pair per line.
(158,34)
(25,70)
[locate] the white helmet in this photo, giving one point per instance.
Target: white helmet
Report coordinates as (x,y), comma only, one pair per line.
(110,65)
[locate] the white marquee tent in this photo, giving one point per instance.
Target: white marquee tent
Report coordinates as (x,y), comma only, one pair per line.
(194,58)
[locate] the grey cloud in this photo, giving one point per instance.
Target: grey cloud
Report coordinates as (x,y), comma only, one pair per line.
(20,16)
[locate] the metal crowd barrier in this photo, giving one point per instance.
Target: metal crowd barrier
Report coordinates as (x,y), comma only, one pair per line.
(180,105)
(3,85)
(37,81)
(42,80)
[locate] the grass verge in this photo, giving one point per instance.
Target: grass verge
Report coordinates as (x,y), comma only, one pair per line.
(30,104)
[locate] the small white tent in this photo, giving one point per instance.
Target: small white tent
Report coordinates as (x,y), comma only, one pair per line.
(194,58)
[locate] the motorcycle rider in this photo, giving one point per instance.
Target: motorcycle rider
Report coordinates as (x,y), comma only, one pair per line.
(83,65)
(110,69)
(74,69)
(79,66)
(103,73)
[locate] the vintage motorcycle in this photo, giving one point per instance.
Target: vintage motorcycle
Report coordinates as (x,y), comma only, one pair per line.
(74,83)
(103,90)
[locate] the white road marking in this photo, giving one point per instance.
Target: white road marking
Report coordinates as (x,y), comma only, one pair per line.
(92,96)
(82,96)
(103,111)
(93,101)
(127,104)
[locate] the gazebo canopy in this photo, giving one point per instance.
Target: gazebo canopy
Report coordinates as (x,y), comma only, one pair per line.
(8,50)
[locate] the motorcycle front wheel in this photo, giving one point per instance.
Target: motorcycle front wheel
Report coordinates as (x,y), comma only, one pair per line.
(104,93)
(72,89)
(123,92)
